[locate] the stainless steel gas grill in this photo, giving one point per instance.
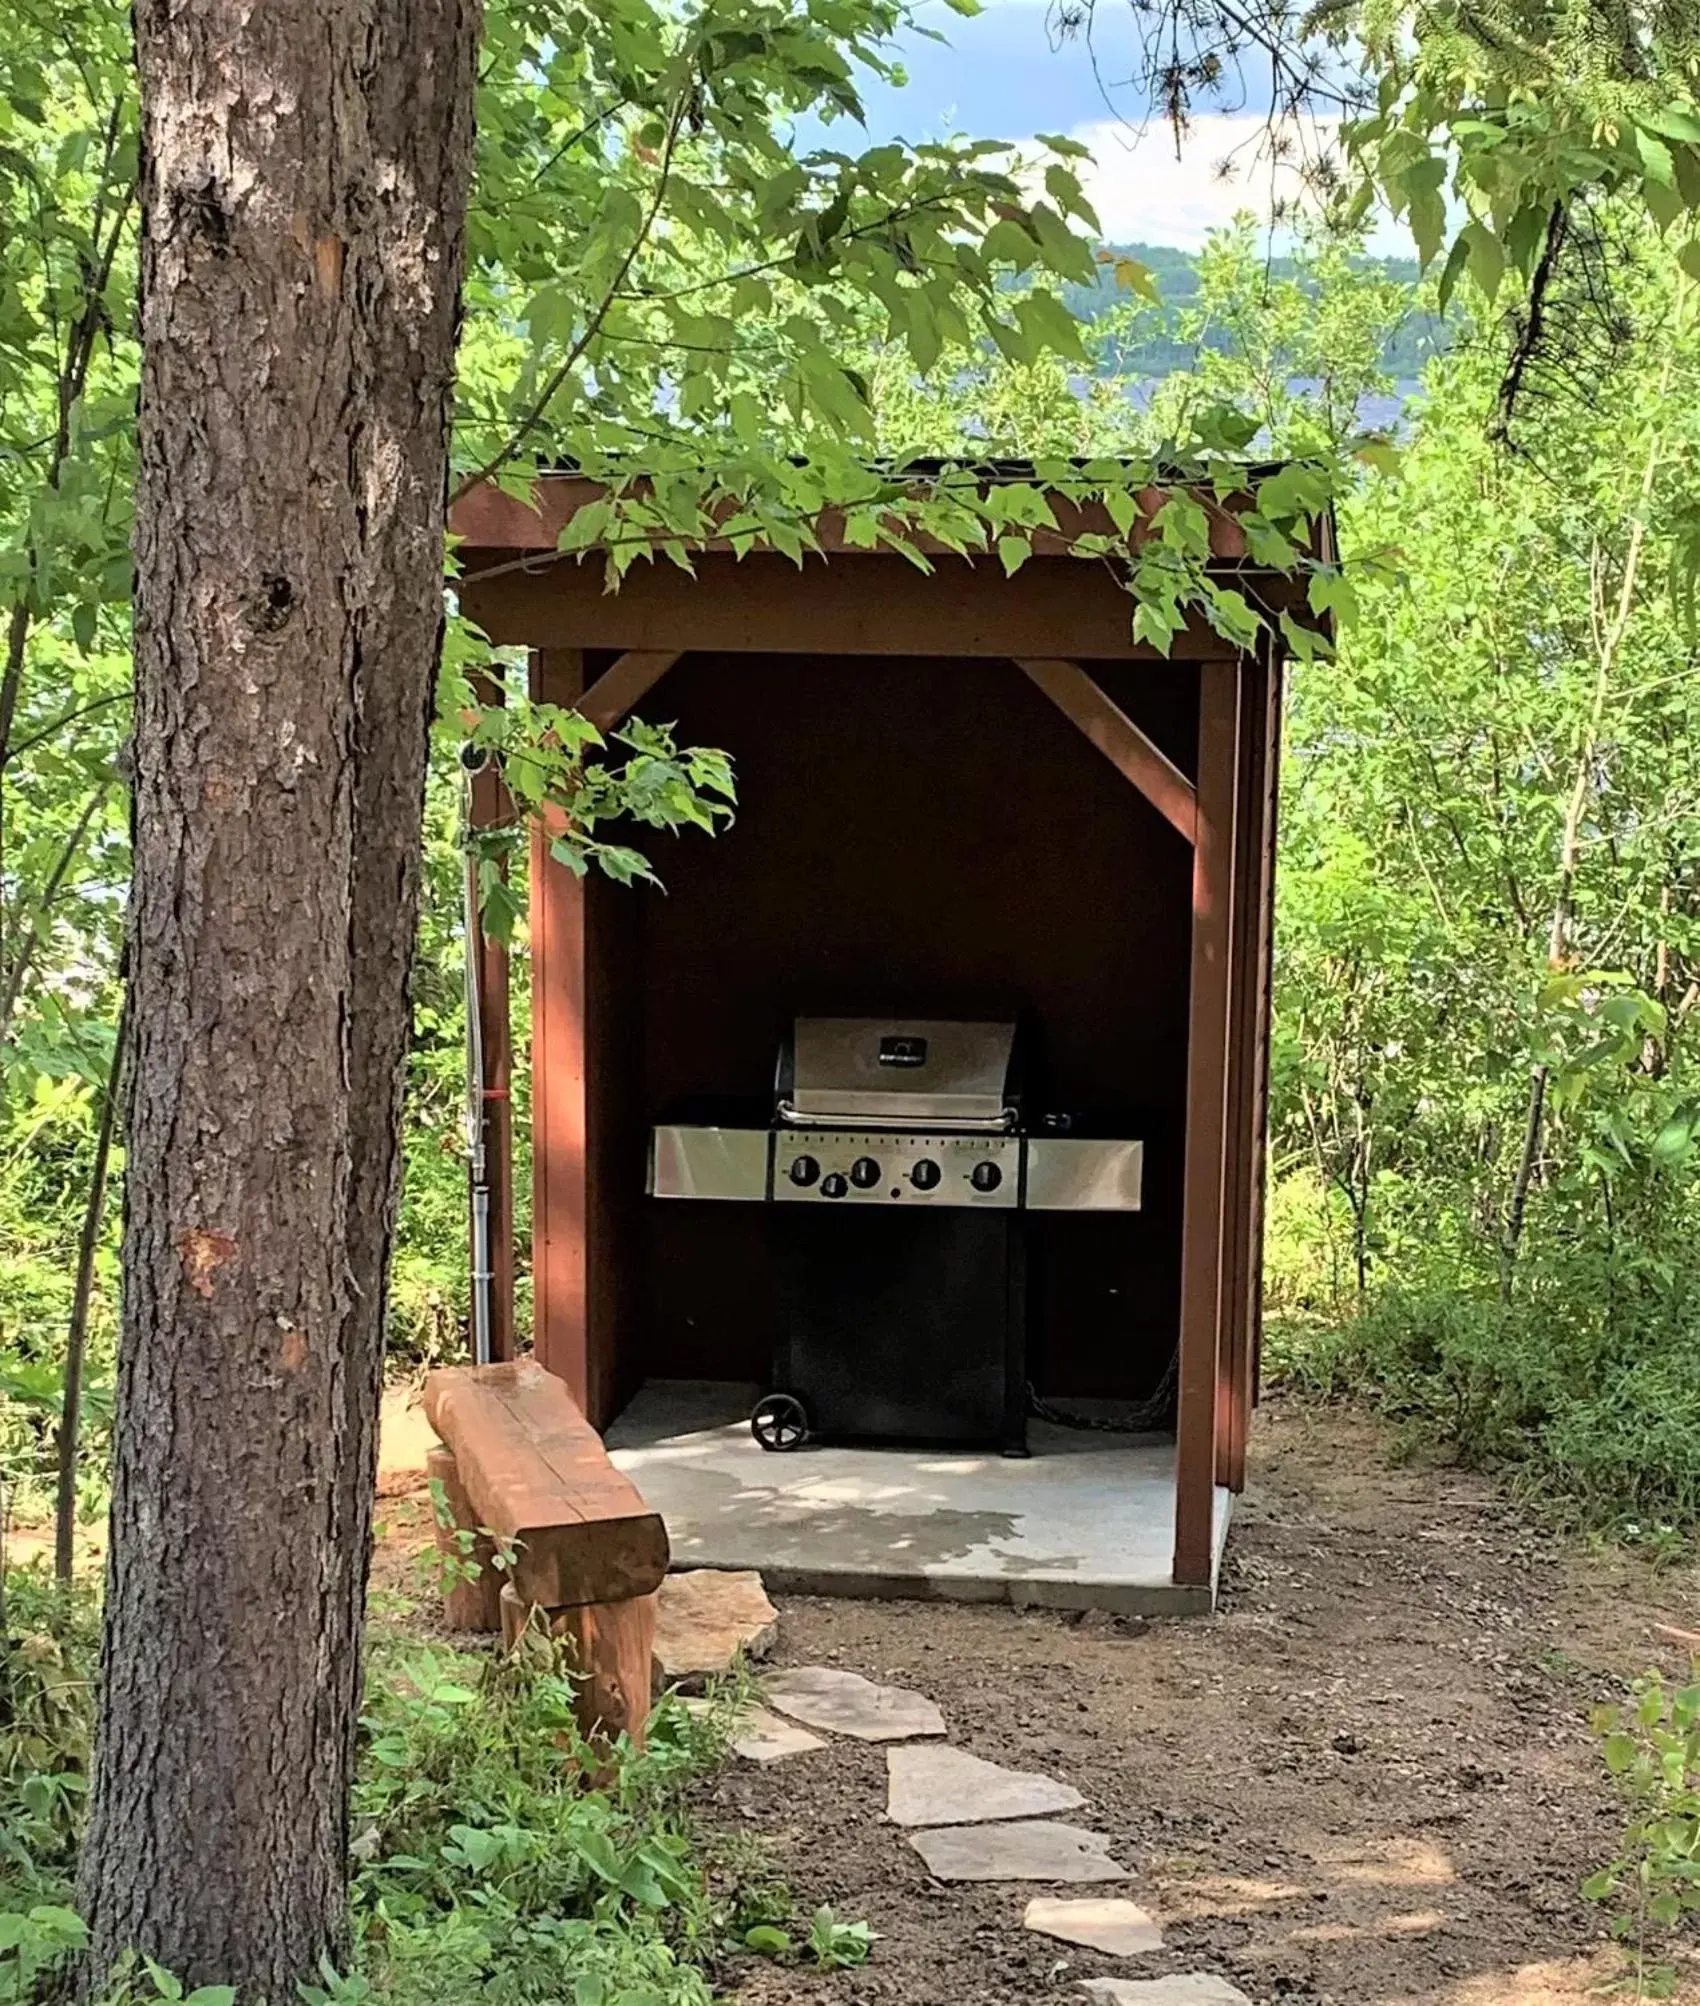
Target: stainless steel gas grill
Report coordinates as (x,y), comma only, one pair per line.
(899,1168)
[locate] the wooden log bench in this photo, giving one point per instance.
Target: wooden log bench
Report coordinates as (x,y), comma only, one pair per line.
(588,1553)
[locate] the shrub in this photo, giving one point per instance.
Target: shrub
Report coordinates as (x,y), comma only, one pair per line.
(1652,1748)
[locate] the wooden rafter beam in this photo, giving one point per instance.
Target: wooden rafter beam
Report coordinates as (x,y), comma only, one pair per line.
(1119,739)
(622,685)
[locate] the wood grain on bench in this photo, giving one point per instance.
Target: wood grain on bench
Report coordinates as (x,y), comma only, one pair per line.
(537,1473)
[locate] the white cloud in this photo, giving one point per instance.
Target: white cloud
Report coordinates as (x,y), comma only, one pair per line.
(1227,165)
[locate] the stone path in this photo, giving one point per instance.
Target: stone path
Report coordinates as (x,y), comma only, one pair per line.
(705,1619)
(760,1736)
(1188,1988)
(846,1703)
(1036,1850)
(1118,1928)
(974,1820)
(948,1786)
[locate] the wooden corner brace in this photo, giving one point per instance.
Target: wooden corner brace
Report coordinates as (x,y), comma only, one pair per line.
(1117,737)
(609,700)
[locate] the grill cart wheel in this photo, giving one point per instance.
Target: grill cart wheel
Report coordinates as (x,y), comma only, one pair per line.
(780,1422)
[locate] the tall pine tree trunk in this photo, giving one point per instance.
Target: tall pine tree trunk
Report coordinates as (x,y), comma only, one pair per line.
(305,173)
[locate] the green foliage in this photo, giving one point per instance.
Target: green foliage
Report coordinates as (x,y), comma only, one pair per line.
(1652,1749)
(830,1944)
(47,1658)
(67,391)
(542,751)
(1526,109)
(495,1853)
(645,214)
(33,1943)
(1148,298)
(492,1849)
(459,1566)
(1483,1077)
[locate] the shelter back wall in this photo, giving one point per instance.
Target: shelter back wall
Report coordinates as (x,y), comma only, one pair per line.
(928,837)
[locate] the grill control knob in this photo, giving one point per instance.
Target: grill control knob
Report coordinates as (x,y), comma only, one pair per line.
(985,1177)
(925,1175)
(833,1186)
(864,1173)
(804,1170)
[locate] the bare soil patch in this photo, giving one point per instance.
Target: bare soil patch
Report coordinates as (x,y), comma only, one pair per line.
(1370,1781)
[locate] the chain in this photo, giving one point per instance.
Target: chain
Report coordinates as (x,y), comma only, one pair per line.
(1156,1410)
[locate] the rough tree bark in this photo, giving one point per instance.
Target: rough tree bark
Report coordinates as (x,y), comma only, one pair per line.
(304,190)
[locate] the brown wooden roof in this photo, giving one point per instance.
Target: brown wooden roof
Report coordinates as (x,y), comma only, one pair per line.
(490,520)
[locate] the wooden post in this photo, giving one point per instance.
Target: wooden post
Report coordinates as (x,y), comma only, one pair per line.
(491,808)
(1206,1123)
(1271,806)
(559,1115)
(583,1022)
(467,1605)
(613,1645)
(1247,1039)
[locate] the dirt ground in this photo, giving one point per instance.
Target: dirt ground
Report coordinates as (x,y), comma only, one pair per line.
(1370,1781)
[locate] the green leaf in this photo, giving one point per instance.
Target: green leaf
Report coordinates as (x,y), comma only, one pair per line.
(1332,593)
(1619,1752)
(166,1983)
(1049,324)
(1425,206)
(1657,165)
(1674,1139)
(1675,122)
(1014,552)
(1486,258)
(1155,626)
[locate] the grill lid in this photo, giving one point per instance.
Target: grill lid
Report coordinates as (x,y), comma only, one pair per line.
(900,1073)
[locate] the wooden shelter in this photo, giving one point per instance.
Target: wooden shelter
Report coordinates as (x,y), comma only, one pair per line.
(970,790)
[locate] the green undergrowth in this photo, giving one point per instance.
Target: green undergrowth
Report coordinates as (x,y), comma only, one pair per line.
(1581,1392)
(1650,1888)
(493,1852)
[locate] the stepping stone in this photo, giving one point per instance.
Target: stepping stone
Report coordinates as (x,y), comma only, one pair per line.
(945,1786)
(846,1703)
(1118,1928)
(1037,1850)
(764,1737)
(1191,1988)
(760,1736)
(704,1618)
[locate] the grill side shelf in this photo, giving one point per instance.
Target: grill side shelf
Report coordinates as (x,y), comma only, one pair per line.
(725,1163)
(1068,1173)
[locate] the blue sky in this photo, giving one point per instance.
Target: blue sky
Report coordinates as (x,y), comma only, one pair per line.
(1003,76)
(999,78)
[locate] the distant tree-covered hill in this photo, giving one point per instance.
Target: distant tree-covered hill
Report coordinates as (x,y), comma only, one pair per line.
(1158,346)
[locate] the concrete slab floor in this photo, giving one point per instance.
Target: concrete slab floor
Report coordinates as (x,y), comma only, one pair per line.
(1086,1522)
